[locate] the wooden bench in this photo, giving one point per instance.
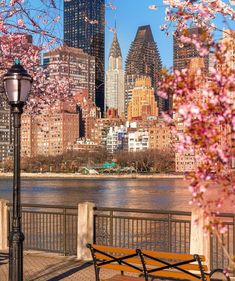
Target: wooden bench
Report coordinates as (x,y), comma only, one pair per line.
(119,259)
(150,264)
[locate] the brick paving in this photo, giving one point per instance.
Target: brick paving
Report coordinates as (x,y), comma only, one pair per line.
(51,267)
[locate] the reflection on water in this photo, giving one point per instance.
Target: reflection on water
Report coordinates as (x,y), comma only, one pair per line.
(127,193)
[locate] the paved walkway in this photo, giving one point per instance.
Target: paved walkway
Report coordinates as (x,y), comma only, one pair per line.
(50,267)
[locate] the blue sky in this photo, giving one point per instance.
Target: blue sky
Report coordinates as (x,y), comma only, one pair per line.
(132,13)
(129,15)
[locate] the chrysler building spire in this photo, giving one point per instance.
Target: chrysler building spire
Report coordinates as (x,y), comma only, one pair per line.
(114,86)
(115,50)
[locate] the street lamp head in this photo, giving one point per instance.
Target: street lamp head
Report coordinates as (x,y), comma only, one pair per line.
(17,84)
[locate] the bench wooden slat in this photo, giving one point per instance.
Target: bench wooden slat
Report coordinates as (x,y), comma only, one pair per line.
(109,249)
(177,275)
(124,278)
(131,260)
(171,256)
(122,268)
(190,266)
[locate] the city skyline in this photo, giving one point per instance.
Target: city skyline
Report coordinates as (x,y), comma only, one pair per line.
(143,60)
(128,17)
(141,14)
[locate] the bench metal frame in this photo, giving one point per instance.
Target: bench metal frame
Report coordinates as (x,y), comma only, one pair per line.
(175,265)
(113,259)
(145,273)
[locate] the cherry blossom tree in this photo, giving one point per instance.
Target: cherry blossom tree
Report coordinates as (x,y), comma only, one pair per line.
(205,103)
(27,28)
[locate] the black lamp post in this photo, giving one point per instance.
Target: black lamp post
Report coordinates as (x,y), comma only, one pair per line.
(17,85)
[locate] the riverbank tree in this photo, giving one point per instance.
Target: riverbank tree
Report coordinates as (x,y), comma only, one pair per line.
(70,161)
(147,161)
(160,161)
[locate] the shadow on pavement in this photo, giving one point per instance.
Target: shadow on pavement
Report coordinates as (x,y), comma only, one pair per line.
(3,258)
(70,272)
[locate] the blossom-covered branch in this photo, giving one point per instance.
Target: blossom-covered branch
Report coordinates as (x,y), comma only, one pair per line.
(204,102)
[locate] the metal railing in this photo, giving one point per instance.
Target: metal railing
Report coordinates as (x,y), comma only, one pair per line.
(146,229)
(49,228)
(54,229)
(224,244)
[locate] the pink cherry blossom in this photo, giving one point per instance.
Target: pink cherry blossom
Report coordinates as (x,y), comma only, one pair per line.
(205,106)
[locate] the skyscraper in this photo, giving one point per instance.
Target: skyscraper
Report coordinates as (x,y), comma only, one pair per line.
(143,60)
(142,104)
(72,63)
(114,84)
(184,52)
(84,28)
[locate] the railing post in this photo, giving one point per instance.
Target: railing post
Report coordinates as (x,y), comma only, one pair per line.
(85,229)
(3,224)
(169,233)
(111,229)
(64,232)
(199,240)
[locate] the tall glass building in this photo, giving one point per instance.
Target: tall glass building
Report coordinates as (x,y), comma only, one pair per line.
(143,59)
(84,22)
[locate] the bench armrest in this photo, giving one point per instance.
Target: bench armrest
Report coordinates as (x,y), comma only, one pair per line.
(220,271)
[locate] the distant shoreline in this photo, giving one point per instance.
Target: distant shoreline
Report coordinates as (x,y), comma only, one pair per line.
(81,176)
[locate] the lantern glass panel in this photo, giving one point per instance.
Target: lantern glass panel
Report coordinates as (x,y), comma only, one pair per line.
(25,89)
(12,89)
(17,90)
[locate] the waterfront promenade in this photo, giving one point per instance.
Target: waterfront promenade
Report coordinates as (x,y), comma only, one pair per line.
(52,267)
(99,176)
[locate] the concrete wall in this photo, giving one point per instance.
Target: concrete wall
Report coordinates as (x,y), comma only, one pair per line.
(85,229)
(3,224)
(199,240)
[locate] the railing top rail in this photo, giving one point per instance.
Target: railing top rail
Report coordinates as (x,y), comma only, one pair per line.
(229,215)
(127,210)
(142,211)
(46,206)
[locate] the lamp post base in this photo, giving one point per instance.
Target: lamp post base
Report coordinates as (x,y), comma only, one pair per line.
(16,256)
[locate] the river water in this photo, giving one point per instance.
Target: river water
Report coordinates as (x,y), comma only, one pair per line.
(158,194)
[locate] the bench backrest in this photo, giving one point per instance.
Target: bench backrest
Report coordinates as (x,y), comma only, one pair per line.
(174,265)
(121,259)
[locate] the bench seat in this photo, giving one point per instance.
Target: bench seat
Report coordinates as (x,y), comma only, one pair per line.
(119,277)
(119,259)
(150,265)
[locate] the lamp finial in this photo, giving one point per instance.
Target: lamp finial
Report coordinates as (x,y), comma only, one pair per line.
(17,61)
